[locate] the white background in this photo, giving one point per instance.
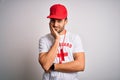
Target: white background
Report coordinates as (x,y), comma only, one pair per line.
(23,22)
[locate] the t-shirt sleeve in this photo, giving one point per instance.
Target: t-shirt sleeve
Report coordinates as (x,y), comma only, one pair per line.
(42,45)
(77,45)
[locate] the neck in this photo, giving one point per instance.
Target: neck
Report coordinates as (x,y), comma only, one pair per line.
(63,32)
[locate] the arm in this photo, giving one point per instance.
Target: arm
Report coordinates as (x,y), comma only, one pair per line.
(46,59)
(77,65)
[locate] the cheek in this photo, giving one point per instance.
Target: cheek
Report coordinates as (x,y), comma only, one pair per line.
(62,25)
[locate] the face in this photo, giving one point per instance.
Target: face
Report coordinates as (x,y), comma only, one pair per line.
(58,24)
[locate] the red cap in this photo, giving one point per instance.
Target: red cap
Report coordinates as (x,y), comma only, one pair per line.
(58,11)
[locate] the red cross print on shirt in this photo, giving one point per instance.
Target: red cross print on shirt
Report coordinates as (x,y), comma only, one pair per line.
(61,55)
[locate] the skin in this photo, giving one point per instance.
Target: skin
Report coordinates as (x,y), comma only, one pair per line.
(46,59)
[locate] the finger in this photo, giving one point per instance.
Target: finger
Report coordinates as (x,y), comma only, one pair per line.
(53,30)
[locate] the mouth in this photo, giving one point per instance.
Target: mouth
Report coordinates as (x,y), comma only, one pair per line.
(56,29)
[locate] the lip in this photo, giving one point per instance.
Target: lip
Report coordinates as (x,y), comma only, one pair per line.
(56,28)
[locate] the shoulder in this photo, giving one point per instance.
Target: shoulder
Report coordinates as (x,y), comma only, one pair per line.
(46,37)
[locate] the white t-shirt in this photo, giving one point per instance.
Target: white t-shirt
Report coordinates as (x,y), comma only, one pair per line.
(72,43)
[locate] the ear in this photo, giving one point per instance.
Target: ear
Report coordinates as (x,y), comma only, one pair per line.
(66,21)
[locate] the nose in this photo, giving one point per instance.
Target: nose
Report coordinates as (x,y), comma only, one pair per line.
(55,24)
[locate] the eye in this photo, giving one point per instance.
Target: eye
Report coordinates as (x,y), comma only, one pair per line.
(59,21)
(52,20)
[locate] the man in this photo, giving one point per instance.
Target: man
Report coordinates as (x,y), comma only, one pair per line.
(60,53)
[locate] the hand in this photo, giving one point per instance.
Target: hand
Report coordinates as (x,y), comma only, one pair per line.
(54,33)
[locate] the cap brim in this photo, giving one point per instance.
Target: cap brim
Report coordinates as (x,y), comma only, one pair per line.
(56,17)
